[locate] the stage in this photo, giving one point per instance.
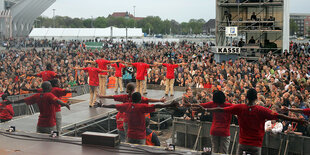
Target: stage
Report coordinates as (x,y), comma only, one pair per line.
(20,143)
(26,141)
(80,113)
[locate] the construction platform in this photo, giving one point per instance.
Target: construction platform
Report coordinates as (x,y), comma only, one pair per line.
(80,115)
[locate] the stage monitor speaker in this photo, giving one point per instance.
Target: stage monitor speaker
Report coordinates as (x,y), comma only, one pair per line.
(103,139)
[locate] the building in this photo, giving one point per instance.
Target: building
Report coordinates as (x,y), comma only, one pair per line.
(86,33)
(209,27)
(264,22)
(17,16)
(302,21)
(125,15)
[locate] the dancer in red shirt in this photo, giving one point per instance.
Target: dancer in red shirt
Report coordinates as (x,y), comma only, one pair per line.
(120,125)
(297,110)
(140,76)
(103,65)
(6,111)
(47,75)
(251,118)
(170,75)
(125,98)
(93,81)
(220,134)
(46,102)
(119,76)
(59,93)
(136,119)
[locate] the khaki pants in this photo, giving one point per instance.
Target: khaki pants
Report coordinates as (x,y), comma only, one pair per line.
(220,144)
(103,84)
(93,94)
(144,85)
(125,126)
(139,86)
(119,82)
(58,121)
(169,85)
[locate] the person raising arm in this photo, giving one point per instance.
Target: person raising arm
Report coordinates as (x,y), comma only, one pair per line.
(251,118)
(170,75)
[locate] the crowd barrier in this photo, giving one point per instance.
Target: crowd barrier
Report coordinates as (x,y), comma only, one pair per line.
(23,109)
(185,135)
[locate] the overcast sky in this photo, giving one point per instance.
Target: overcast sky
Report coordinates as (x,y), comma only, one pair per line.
(180,10)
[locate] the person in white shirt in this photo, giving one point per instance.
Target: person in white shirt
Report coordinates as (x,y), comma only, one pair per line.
(273,126)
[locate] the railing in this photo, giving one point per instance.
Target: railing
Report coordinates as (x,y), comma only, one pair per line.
(281,144)
(23,109)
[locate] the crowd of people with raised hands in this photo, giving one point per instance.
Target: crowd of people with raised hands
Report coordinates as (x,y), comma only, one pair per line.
(276,81)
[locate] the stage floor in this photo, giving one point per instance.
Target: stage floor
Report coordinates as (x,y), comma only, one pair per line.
(80,112)
(40,144)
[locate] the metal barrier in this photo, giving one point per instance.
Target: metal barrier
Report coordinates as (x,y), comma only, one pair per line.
(185,135)
(162,111)
(23,109)
(73,129)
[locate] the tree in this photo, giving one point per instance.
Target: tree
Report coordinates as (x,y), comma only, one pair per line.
(293,27)
(100,22)
(153,23)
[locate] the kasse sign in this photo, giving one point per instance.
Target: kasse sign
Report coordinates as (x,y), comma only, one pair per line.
(228,50)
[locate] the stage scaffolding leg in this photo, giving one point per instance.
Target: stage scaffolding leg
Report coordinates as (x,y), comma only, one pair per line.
(233,145)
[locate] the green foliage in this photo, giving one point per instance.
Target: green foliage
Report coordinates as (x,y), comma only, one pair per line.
(154,24)
(293,27)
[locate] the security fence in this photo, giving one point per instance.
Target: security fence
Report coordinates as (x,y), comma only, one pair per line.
(23,109)
(185,135)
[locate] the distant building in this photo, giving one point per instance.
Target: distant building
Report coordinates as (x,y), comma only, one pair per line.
(303,23)
(125,15)
(17,16)
(209,27)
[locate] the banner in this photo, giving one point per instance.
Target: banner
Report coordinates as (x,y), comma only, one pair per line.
(93,45)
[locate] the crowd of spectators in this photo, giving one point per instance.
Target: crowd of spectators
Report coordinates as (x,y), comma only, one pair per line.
(279,79)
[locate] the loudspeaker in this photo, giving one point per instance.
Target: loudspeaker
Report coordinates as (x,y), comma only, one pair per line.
(103,139)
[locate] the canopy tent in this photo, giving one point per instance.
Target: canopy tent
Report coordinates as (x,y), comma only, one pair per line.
(85,33)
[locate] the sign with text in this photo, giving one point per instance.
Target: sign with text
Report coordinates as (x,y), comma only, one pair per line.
(228,50)
(231,31)
(93,45)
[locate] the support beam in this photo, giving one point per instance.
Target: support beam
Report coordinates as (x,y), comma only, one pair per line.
(286,25)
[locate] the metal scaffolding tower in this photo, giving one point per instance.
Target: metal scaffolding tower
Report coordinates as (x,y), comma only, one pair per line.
(262,24)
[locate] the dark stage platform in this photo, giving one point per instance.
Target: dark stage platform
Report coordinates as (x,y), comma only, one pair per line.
(40,144)
(79,114)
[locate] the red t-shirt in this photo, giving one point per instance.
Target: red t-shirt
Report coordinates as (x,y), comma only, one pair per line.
(125,98)
(306,111)
(207,85)
(46,103)
(221,121)
(118,70)
(58,92)
(102,64)
(251,122)
(47,75)
(93,75)
(170,70)
(141,69)
(6,111)
(120,121)
(136,118)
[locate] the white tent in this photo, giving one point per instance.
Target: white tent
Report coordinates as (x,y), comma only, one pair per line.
(85,33)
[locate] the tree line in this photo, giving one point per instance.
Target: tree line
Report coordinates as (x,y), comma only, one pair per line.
(149,25)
